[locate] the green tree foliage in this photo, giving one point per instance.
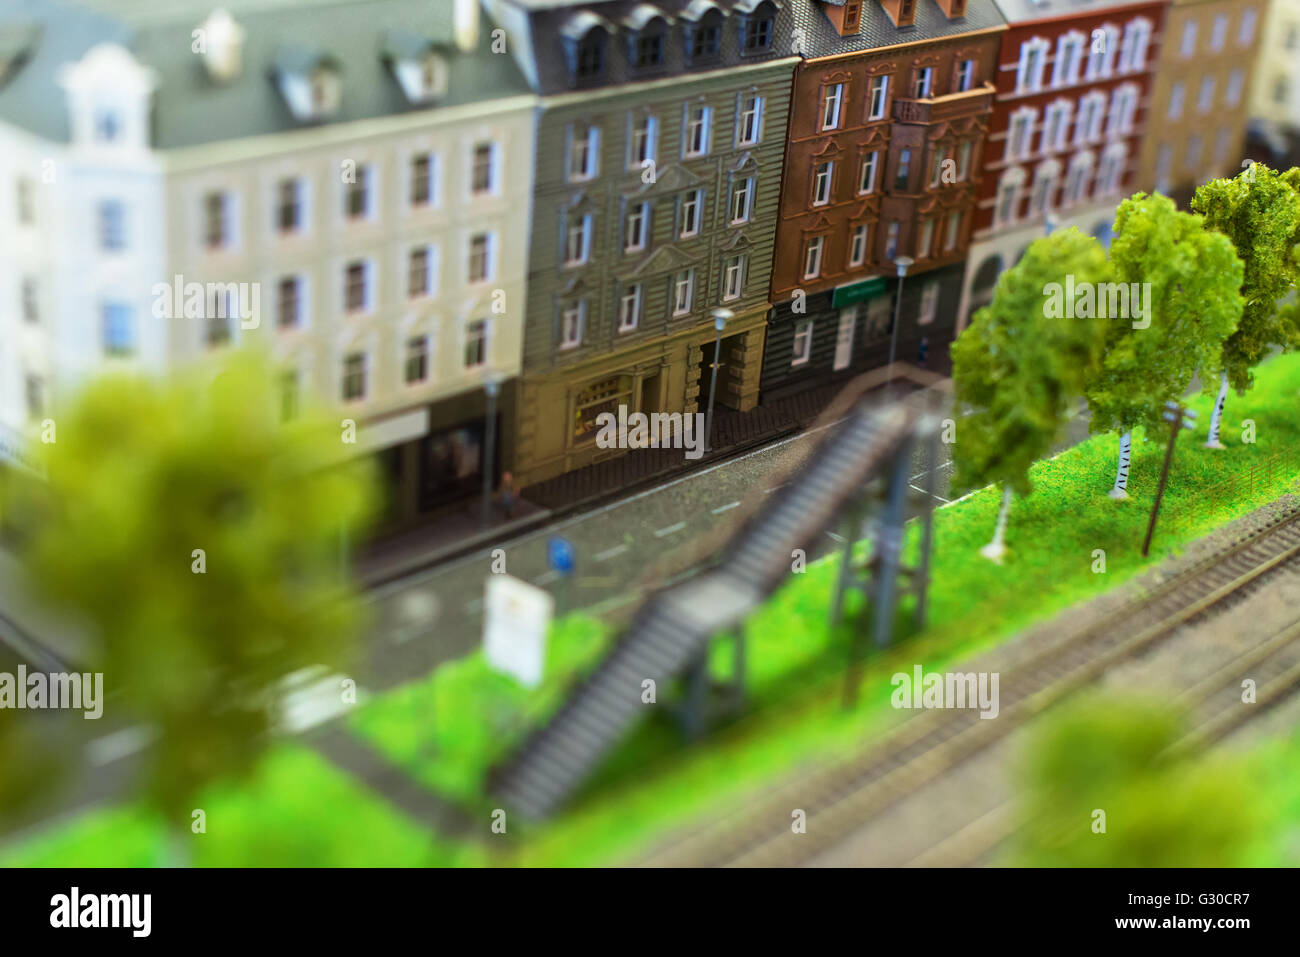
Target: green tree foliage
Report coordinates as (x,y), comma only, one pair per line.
(1108,755)
(199,537)
(1195,303)
(1019,372)
(1259,211)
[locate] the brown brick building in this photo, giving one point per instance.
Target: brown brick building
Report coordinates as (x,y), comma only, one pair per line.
(887,126)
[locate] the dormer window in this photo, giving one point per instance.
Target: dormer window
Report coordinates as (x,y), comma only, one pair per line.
(418,68)
(110,96)
(757,29)
(703,31)
(647,40)
(585,36)
(309,82)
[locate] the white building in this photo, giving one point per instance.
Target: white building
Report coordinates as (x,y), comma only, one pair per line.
(360,206)
(1276,96)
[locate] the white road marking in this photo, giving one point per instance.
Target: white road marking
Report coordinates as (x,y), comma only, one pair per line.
(933,494)
(545,578)
(670,530)
(611,552)
(769,491)
(725,508)
(838,538)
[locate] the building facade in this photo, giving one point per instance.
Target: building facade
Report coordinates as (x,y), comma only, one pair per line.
(660,137)
(1275,99)
(1196,126)
(1073,90)
(353,208)
(891,107)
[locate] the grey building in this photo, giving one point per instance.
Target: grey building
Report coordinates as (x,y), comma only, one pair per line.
(661,134)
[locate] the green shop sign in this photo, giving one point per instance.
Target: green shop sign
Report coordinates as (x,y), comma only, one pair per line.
(857,291)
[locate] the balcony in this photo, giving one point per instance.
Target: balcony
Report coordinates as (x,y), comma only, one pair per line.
(938,109)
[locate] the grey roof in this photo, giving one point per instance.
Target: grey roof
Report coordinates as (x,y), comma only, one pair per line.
(1022,11)
(878,30)
(190,109)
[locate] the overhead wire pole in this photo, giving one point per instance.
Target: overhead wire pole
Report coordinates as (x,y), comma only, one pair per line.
(1181,418)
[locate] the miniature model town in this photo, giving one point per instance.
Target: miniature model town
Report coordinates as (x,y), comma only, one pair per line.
(687,433)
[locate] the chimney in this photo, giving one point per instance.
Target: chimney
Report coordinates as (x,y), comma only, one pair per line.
(902,12)
(466,23)
(845,15)
(952,9)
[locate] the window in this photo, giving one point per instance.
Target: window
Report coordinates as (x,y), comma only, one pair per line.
(1076,180)
(952,232)
(356,286)
(1219,32)
(218,327)
(750,127)
(812,257)
(423,187)
(1110,171)
(1187,45)
(1164,166)
(858,245)
(637,227)
(929,304)
(1205,99)
(697,130)
(803,331)
(1043,193)
(25,201)
(112,225)
(965,76)
(354,376)
(649,47)
(942,154)
(577,240)
(480,258)
(1101,53)
(1176,95)
(289,302)
(1232,96)
(1123,108)
(879,97)
(706,38)
(756,31)
(903,173)
(922,81)
(742,200)
(119,329)
(629,307)
(1069,58)
(1246,33)
(683,292)
(358,194)
(891,240)
(642,144)
(925,242)
(691,211)
(1133,53)
(108,126)
(870,164)
(31,306)
(1281,89)
(216,224)
(572,318)
(288,214)
(964,153)
(1021,133)
(584,153)
(419,272)
(34,386)
(1056,125)
(733,278)
(476,342)
(1029,73)
(832,100)
(590,60)
(1194,144)
(822,183)
(289,395)
(1008,200)
(1091,113)
(484,178)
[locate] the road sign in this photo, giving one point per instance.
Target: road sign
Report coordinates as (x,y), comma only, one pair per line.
(559,555)
(516,618)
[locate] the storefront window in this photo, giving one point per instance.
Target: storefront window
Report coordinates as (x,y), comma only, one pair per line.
(450,464)
(603,396)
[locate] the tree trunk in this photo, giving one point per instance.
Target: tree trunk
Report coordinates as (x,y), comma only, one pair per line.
(1213,441)
(995,549)
(1120,491)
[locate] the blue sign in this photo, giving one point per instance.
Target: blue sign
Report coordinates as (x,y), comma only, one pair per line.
(559,555)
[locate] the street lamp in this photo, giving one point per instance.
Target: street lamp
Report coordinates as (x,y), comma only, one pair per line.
(902,263)
(1049,224)
(492,386)
(720,317)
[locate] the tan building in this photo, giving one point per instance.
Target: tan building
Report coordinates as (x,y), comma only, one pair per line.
(1196,125)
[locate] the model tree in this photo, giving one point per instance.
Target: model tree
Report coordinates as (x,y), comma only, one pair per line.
(198,536)
(1020,368)
(1182,285)
(1259,211)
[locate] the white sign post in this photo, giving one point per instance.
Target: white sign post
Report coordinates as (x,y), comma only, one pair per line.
(516,617)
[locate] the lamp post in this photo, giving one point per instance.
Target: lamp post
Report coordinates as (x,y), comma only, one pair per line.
(901,263)
(1049,223)
(492,386)
(720,317)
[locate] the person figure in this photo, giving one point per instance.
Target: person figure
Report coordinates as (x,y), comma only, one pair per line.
(508,494)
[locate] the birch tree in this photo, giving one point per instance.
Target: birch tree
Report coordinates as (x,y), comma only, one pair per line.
(1259,211)
(1181,284)
(1020,367)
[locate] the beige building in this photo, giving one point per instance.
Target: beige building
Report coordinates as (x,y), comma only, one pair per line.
(1196,125)
(1276,96)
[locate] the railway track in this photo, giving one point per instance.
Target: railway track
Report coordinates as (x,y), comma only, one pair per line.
(1214,708)
(839,796)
